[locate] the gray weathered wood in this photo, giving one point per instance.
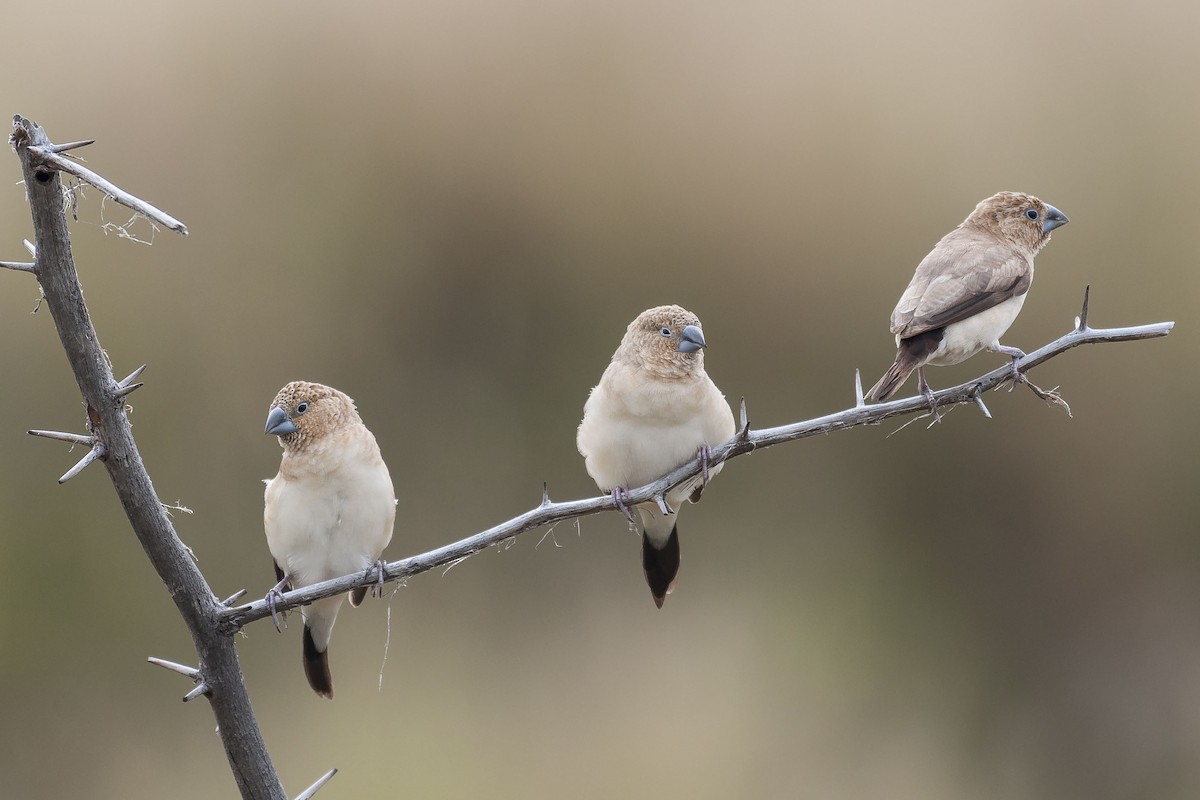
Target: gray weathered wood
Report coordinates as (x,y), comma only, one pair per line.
(110,429)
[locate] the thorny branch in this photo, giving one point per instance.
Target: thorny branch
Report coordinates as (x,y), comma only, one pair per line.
(746,440)
(110,441)
(46,156)
(211,621)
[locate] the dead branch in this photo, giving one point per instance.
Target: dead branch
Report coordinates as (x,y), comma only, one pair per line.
(110,441)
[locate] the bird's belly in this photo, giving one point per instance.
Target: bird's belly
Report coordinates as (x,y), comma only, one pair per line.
(323,532)
(635,454)
(961,340)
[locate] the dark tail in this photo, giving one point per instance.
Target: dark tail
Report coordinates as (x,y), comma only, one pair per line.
(913,353)
(661,566)
(891,381)
(316,667)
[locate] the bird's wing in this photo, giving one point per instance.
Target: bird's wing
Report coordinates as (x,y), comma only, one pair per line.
(961,277)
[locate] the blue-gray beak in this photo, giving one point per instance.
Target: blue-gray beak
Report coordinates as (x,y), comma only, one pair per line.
(691,339)
(278,422)
(1054,219)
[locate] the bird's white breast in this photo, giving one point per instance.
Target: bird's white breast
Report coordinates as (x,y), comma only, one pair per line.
(322,524)
(964,339)
(634,433)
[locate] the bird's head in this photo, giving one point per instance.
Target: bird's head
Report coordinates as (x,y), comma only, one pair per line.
(1019,218)
(666,340)
(303,412)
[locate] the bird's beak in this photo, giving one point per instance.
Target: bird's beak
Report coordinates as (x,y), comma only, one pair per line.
(278,422)
(1054,219)
(691,340)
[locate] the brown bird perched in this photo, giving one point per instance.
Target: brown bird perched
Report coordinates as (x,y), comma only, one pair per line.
(654,409)
(968,290)
(329,512)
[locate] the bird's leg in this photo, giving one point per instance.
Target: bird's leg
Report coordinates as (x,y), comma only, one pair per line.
(380,565)
(926,392)
(274,595)
(1015,354)
(618,495)
(704,454)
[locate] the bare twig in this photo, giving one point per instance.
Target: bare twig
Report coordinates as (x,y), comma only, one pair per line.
(46,157)
(22,266)
(745,441)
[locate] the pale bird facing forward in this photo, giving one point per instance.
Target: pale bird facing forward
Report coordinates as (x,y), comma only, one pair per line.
(654,409)
(968,290)
(329,512)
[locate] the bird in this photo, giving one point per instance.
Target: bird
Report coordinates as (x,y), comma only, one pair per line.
(654,410)
(966,293)
(330,510)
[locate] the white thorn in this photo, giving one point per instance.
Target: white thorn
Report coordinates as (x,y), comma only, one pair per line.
(310,791)
(182,669)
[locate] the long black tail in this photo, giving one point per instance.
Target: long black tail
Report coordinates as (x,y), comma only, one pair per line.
(316,666)
(661,566)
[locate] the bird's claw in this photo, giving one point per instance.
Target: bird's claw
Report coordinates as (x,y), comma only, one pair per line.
(704,454)
(618,495)
(275,595)
(381,566)
(927,393)
(1018,377)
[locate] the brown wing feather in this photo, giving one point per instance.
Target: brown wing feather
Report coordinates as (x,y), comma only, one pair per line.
(968,271)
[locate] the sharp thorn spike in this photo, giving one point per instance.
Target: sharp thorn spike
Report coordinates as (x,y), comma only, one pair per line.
(312,790)
(233,598)
(201,689)
(982,407)
(859,400)
(182,669)
(73,438)
(62,148)
(662,505)
(133,376)
(96,452)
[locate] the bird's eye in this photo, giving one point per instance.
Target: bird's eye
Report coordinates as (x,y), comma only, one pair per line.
(301,408)
(1032,214)
(665,331)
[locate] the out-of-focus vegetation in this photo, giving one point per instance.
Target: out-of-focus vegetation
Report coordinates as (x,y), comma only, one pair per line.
(451,211)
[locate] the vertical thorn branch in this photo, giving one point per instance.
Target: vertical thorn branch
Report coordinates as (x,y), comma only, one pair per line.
(245,749)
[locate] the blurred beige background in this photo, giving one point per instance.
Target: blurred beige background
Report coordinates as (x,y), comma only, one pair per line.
(451,210)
